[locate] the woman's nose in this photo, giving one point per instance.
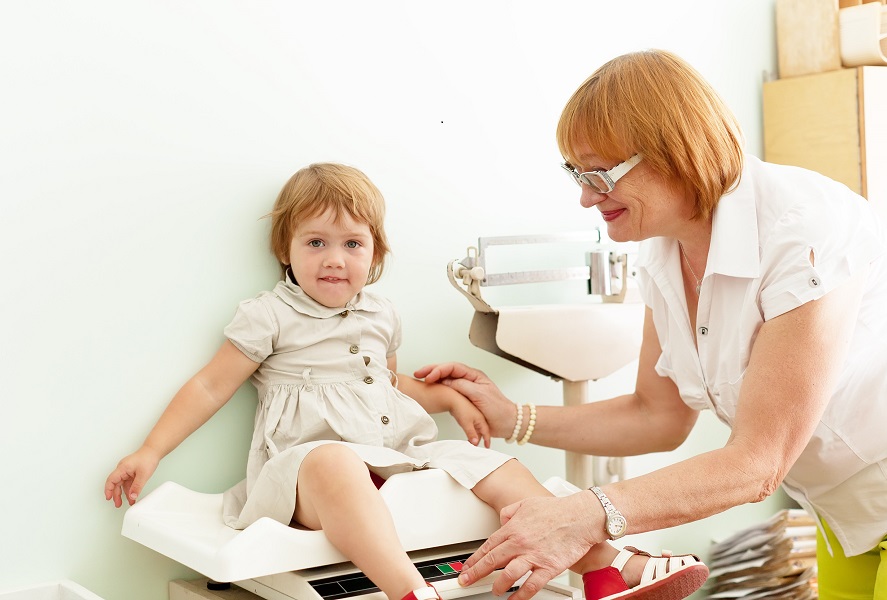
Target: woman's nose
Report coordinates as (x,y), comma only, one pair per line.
(590,197)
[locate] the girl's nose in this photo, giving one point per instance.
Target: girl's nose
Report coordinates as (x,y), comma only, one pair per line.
(590,197)
(333,258)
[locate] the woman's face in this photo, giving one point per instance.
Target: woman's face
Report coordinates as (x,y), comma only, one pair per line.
(642,204)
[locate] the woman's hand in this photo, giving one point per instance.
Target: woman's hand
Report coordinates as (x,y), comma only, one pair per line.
(542,535)
(130,476)
(498,410)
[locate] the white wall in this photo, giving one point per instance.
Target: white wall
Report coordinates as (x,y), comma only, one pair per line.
(141,142)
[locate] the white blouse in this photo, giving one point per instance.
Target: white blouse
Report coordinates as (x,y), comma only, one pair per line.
(758,268)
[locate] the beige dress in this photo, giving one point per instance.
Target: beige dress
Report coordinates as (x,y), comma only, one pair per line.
(324,379)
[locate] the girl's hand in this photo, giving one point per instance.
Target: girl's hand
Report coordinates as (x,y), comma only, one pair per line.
(498,411)
(472,421)
(130,476)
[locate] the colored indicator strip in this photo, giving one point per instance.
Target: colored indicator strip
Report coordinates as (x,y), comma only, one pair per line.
(358,584)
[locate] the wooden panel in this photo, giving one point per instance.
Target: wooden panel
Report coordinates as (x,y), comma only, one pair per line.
(807,36)
(813,122)
(873,91)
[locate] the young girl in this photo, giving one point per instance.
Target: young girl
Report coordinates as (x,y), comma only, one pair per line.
(333,420)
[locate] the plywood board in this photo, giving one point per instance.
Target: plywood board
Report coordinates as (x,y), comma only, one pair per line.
(813,122)
(873,91)
(807,37)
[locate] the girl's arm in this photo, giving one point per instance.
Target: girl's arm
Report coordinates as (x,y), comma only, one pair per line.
(437,398)
(192,406)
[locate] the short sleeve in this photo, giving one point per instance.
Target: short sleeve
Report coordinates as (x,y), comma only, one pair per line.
(396,331)
(814,249)
(253,330)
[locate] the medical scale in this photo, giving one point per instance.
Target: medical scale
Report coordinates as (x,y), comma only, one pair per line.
(439,522)
(571,343)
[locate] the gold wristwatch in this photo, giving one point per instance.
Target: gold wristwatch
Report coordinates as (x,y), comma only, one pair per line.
(616,523)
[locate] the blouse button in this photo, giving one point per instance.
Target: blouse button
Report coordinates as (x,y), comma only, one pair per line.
(814,282)
(353,349)
(343,314)
(367,380)
(385,420)
(703,331)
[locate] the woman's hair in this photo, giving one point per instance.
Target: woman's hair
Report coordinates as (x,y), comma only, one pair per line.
(654,103)
(319,187)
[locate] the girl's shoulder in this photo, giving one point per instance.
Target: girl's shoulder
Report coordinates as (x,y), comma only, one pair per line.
(367,298)
(371,302)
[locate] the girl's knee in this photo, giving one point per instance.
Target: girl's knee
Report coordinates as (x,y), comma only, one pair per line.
(329,459)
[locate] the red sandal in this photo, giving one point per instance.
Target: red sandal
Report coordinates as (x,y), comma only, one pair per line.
(665,577)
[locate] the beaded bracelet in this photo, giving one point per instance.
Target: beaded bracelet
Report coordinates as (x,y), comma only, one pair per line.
(520,420)
(530,426)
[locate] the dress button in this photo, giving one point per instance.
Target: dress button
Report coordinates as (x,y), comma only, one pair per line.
(367,380)
(343,314)
(353,349)
(703,331)
(814,282)
(385,420)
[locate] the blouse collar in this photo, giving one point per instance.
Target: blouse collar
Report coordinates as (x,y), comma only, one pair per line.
(734,249)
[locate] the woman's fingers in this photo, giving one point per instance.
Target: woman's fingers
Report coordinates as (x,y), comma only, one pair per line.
(541,535)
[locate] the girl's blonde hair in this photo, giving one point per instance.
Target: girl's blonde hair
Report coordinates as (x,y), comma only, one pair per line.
(654,103)
(313,190)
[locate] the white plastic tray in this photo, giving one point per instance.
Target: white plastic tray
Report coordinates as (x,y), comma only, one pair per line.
(59,590)
(429,508)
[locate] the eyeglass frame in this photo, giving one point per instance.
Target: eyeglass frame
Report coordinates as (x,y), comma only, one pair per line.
(604,181)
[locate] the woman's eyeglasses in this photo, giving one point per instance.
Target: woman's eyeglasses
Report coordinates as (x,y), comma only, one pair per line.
(602,182)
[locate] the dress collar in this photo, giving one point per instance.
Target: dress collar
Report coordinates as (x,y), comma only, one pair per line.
(294,296)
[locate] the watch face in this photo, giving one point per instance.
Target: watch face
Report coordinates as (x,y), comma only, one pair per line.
(616,525)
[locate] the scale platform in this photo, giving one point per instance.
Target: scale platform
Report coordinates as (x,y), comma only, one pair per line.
(439,523)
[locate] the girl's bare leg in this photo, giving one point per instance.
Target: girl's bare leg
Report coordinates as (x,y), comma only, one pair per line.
(513,482)
(336,494)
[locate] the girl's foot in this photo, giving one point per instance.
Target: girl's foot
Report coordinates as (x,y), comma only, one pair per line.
(663,577)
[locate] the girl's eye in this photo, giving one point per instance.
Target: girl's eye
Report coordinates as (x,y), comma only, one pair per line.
(352,244)
(315,243)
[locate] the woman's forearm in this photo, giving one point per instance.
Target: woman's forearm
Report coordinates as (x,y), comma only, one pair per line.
(694,489)
(621,426)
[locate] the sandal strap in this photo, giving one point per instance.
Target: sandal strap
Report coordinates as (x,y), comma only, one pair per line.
(622,558)
(658,567)
(425,593)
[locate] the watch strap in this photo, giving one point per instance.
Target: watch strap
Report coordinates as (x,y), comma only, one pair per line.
(611,511)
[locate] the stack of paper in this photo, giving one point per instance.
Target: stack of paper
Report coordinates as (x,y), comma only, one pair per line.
(776,559)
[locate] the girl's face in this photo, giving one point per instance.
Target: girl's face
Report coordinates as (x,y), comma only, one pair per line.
(641,205)
(331,261)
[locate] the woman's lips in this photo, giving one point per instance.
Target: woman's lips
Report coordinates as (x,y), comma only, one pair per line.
(609,215)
